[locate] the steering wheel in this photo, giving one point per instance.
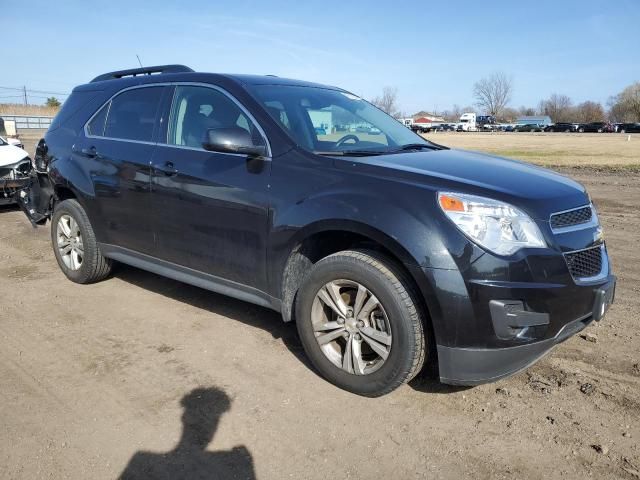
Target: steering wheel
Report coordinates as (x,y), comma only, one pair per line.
(346,138)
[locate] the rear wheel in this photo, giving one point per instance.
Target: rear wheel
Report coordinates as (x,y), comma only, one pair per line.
(75,246)
(359,322)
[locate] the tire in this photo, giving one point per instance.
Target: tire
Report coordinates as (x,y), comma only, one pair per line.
(89,267)
(599,130)
(399,311)
(623,131)
(581,130)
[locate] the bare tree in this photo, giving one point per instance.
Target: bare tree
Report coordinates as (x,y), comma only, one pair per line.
(508,115)
(589,112)
(558,107)
(388,102)
(493,93)
(526,111)
(626,105)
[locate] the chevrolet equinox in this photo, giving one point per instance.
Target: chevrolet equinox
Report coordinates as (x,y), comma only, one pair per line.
(387,250)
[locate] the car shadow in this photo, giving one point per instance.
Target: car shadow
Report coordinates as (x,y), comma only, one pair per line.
(427,381)
(190,459)
(238,310)
(258,317)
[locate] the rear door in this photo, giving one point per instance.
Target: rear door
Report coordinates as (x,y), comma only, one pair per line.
(119,143)
(211,208)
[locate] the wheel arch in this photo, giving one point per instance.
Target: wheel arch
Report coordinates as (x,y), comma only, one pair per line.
(325,237)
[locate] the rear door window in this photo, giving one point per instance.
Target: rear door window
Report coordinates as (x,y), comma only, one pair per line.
(133,114)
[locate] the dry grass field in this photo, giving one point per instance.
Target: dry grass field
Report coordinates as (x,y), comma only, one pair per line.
(18,109)
(602,151)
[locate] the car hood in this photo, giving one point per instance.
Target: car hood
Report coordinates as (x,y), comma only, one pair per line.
(10,155)
(537,190)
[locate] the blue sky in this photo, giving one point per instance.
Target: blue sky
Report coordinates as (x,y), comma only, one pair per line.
(433,52)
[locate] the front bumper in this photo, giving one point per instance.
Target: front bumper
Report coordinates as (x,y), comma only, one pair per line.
(9,187)
(474,366)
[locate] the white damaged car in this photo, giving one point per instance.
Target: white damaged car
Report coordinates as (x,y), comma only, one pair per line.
(15,166)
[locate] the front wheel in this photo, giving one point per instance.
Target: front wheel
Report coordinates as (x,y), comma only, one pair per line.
(75,246)
(359,323)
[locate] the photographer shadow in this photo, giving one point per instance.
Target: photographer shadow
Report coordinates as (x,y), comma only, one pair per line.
(203,408)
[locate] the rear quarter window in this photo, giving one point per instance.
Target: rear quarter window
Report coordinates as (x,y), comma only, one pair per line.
(72,105)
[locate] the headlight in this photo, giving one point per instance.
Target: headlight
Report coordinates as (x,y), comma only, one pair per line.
(496,226)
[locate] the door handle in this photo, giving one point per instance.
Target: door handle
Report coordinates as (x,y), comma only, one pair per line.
(90,152)
(168,169)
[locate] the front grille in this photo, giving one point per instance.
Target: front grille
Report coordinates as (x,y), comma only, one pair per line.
(572,217)
(585,263)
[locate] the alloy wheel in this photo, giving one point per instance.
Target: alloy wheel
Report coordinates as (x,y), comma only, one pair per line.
(351,327)
(69,240)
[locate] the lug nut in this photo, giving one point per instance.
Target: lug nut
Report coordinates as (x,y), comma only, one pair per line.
(360,324)
(340,320)
(357,336)
(345,334)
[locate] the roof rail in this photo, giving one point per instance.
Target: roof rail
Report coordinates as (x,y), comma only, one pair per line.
(133,72)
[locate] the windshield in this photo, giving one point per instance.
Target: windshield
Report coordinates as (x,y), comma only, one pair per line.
(329,121)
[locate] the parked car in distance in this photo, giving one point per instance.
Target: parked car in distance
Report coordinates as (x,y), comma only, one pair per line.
(629,128)
(388,251)
(320,131)
(562,127)
(15,167)
(598,127)
(530,127)
(12,141)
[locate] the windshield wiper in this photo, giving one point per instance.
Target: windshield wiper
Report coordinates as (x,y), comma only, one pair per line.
(418,146)
(351,153)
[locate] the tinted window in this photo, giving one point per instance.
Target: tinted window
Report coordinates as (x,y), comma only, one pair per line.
(198,109)
(96,125)
(132,115)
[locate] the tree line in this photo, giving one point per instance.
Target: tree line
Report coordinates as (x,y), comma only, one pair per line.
(493,95)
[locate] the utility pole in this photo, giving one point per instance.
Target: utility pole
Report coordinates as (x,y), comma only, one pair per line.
(24,91)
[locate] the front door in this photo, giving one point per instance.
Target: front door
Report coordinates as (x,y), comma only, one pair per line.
(210,208)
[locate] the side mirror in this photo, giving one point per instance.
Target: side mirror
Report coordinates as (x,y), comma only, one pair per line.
(232,140)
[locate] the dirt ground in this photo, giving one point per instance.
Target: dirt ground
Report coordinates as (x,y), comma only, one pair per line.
(144,372)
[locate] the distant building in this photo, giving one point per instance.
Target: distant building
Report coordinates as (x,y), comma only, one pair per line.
(421,118)
(426,117)
(542,120)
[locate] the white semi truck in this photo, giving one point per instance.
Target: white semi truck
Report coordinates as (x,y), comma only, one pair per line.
(467,122)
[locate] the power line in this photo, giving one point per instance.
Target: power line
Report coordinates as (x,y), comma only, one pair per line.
(22,89)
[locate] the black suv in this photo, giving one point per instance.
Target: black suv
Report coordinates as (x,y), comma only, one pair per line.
(562,127)
(529,127)
(628,128)
(596,127)
(384,248)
